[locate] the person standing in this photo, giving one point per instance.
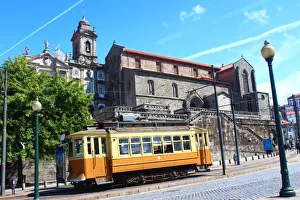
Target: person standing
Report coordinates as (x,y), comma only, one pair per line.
(298,146)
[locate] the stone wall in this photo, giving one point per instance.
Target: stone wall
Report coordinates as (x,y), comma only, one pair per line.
(47,171)
(251,134)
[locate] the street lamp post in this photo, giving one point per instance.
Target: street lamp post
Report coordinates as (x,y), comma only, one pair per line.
(234,129)
(36,106)
(3,160)
(219,121)
(268,53)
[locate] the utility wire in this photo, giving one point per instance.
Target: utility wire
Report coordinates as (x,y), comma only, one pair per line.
(55,18)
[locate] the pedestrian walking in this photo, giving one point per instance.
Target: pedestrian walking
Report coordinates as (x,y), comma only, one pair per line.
(298,146)
(235,158)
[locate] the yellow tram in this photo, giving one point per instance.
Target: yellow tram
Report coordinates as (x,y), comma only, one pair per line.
(136,154)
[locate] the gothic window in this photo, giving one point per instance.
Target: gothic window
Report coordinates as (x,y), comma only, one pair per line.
(87,46)
(137,63)
(245,82)
(150,87)
(253,81)
(175,69)
(175,90)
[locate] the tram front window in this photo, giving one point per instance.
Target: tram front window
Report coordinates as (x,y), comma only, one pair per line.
(78,147)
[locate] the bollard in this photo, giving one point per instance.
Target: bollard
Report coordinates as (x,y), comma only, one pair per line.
(252,157)
(23,186)
(258,156)
(45,184)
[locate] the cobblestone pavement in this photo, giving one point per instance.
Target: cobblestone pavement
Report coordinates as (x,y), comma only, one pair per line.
(258,185)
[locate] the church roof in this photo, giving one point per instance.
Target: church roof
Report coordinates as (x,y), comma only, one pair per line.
(83,20)
(59,54)
(200,65)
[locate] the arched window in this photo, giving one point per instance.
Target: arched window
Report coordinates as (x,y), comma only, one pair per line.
(253,81)
(150,87)
(175,90)
(245,82)
(87,46)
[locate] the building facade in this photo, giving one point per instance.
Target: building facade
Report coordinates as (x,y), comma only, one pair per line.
(132,78)
(81,65)
(137,77)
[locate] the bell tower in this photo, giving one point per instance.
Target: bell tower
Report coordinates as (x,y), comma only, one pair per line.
(84,43)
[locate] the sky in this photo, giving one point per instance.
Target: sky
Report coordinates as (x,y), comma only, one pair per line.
(207,31)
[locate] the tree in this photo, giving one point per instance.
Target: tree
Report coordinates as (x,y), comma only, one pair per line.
(64,109)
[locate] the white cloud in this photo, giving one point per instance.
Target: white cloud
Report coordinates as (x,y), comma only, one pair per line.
(165,24)
(278,29)
(240,10)
(259,16)
(289,48)
(284,88)
(196,12)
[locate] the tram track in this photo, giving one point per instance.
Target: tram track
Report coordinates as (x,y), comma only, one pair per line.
(68,192)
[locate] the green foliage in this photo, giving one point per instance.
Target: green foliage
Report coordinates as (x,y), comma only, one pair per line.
(64,109)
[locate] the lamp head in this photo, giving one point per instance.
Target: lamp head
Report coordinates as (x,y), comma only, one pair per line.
(268,51)
(36,106)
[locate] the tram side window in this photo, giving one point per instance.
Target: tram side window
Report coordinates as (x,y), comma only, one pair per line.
(147,146)
(78,147)
(96,146)
(186,142)
(135,146)
(201,140)
(157,146)
(177,143)
(123,146)
(70,152)
(89,145)
(168,148)
(103,145)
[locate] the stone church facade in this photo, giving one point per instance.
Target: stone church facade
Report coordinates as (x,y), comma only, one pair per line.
(137,78)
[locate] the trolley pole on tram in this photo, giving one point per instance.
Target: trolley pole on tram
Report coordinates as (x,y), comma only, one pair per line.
(219,121)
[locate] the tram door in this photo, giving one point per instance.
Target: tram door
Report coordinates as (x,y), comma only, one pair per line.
(100,159)
(201,147)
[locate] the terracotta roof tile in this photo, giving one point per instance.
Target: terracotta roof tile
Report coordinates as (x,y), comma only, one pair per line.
(284,122)
(290,113)
(224,68)
(201,65)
